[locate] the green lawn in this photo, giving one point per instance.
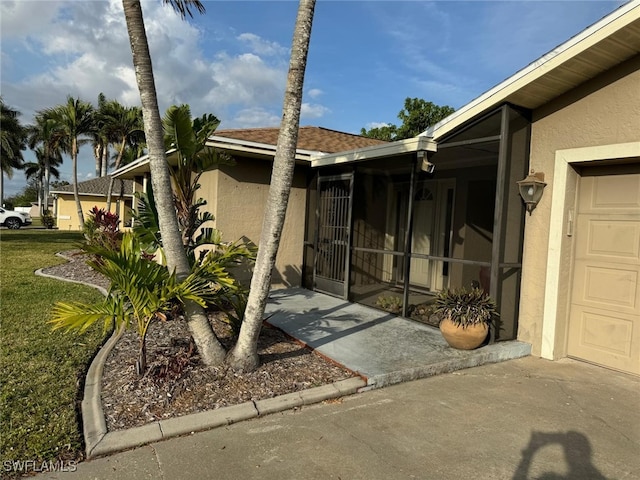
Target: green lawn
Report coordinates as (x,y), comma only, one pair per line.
(41,372)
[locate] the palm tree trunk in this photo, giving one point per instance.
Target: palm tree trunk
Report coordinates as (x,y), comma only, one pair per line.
(123,144)
(104,166)
(76,196)
(47,181)
(244,356)
(210,349)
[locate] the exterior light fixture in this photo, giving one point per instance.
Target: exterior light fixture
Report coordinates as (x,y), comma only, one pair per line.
(531,189)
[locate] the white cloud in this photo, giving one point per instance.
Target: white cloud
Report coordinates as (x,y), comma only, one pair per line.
(82,49)
(261,46)
(314,92)
(311,110)
(17,19)
(252,117)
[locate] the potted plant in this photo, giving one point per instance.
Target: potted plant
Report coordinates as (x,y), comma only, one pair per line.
(466,316)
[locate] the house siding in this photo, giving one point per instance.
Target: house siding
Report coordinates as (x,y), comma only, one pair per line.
(240,193)
(67,213)
(603,111)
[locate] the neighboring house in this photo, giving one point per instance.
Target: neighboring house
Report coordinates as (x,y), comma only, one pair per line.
(93,193)
(567,276)
(443,210)
(236,195)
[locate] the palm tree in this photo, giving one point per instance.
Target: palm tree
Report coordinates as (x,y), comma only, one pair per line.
(70,122)
(100,140)
(244,356)
(39,136)
(41,170)
(12,142)
(123,126)
(210,349)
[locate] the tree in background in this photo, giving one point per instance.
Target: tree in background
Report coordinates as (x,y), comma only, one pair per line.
(123,127)
(12,143)
(244,355)
(417,115)
(210,349)
(48,152)
(43,167)
(71,122)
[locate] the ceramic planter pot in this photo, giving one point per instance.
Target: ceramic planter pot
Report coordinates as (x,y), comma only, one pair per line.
(466,338)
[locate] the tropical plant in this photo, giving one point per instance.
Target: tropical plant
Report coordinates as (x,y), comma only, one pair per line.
(244,355)
(390,303)
(466,307)
(12,142)
(101,231)
(141,291)
(186,139)
(70,123)
(210,349)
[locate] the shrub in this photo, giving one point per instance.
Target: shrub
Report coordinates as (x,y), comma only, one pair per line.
(101,230)
(47,219)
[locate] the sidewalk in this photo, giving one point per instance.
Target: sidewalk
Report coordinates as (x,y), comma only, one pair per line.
(521,419)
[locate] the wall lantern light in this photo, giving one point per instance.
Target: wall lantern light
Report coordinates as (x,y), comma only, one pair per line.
(531,189)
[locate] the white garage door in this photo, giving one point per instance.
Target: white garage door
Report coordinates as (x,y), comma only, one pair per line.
(604,322)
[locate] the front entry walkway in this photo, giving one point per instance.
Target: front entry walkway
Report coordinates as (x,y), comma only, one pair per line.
(383,348)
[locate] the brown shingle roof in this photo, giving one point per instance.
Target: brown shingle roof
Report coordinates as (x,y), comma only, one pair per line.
(98,186)
(316,139)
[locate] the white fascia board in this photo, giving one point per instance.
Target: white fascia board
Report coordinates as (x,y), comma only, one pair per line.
(556,57)
(233,144)
(399,147)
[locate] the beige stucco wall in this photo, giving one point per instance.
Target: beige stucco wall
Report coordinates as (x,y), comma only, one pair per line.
(237,195)
(67,214)
(604,111)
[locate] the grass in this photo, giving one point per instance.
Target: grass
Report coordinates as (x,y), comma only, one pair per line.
(41,372)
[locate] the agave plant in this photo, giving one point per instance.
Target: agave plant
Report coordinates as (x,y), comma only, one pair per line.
(465,307)
(141,291)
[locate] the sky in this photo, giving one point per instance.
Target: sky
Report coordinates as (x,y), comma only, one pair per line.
(365,57)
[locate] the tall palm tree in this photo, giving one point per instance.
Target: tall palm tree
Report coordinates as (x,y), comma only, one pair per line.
(100,140)
(43,168)
(70,123)
(244,356)
(39,136)
(210,349)
(123,126)
(12,142)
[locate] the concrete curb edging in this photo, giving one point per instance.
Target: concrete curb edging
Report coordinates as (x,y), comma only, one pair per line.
(99,442)
(120,440)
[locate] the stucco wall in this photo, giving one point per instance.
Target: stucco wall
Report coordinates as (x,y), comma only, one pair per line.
(604,111)
(67,214)
(240,196)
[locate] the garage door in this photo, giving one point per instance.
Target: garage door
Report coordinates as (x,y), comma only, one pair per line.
(604,321)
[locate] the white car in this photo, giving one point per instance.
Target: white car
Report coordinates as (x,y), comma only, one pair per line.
(14,220)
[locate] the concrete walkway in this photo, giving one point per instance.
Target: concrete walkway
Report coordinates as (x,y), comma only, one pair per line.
(384,348)
(523,419)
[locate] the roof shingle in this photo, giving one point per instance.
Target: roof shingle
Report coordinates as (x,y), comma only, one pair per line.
(316,139)
(99,186)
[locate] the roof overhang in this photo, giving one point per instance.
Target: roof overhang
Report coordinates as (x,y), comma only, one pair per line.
(401,147)
(229,145)
(598,48)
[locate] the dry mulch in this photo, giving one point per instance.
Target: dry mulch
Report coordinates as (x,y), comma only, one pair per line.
(176,383)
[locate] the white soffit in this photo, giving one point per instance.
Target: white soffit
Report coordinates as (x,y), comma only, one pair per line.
(596,49)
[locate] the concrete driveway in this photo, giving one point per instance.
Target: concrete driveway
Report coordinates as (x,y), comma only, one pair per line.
(521,419)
